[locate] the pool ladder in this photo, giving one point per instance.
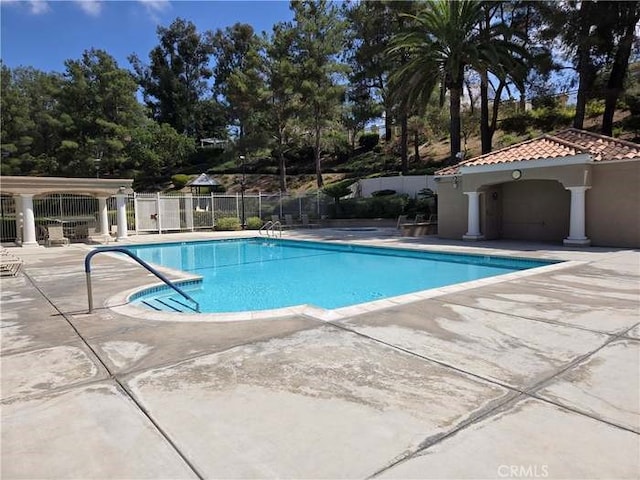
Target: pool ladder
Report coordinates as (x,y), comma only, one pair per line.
(270,228)
(169,283)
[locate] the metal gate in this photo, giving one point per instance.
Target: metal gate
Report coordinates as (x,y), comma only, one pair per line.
(146,214)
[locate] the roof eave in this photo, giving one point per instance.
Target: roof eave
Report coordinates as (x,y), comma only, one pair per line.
(579,159)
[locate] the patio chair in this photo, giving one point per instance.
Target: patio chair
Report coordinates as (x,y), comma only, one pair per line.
(56,235)
(288,221)
(305,222)
(275,218)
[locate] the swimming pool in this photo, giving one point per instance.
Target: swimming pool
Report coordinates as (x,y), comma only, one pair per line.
(257,274)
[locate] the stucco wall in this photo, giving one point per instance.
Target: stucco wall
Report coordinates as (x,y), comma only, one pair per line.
(452,210)
(535,210)
(613,205)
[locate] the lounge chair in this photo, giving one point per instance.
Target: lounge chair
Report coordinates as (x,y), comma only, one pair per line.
(401,219)
(56,235)
(9,264)
(419,218)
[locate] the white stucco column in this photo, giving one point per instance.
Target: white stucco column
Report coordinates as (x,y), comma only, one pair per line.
(121,203)
(29,223)
(473,217)
(577,218)
(103,216)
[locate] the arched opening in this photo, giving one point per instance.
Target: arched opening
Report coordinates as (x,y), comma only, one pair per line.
(534,210)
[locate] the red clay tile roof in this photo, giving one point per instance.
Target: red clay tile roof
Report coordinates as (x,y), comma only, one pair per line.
(565,143)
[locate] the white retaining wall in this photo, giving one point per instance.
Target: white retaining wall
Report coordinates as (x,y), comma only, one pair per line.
(410,184)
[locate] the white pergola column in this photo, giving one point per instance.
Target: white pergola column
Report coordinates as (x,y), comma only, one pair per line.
(18,202)
(121,203)
(577,218)
(104,217)
(473,217)
(28,221)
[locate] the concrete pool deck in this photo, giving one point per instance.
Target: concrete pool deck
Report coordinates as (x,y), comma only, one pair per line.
(536,377)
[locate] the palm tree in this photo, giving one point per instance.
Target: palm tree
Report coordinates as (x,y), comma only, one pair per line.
(441,41)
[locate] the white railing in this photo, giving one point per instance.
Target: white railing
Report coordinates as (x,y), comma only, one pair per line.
(157,212)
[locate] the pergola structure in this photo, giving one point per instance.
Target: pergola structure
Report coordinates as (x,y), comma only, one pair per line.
(23,189)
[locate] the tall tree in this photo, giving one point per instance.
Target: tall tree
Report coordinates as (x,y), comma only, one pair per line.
(358,108)
(240,78)
(503,59)
(628,14)
(155,151)
(371,26)
(99,105)
(284,102)
(319,39)
(585,29)
(175,81)
(442,40)
(31,125)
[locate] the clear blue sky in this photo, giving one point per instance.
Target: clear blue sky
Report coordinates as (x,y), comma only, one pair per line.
(43,34)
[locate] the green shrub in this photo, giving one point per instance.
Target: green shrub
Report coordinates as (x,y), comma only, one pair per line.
(374,207)
(227,224)
(339,189)
(518,123)
(368,141)
(632,100)
(594,108)
(254,223)
(201,219)
(179,180)
(632,122)
(508,139)
(549,119)
(383,193)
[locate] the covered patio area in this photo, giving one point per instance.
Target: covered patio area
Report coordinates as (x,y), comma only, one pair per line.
(23,190)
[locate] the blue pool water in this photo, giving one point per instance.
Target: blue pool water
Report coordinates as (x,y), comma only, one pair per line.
(259,274)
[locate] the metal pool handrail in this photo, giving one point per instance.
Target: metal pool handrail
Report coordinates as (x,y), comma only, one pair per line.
(273,227)
(269,228)
(265,228)
(87,270)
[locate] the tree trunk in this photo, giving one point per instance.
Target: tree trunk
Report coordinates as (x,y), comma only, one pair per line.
(522,104)
(387,124)
(454,126)
(316,152)
(586,74)
(283,169)
(493,124)
(586,71)
(404,137)
(416,147)
(615,84)
(485,133)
